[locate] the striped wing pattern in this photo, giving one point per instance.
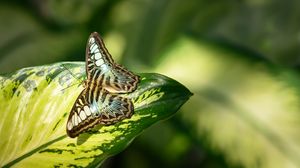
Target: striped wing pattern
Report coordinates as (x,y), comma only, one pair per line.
(104,108)
(114,77)
(100,102)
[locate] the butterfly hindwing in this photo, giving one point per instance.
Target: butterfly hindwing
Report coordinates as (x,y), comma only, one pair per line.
(99,62)
(107,109)
(113,108)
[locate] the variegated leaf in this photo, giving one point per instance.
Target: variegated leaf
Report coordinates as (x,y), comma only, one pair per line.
(35,103)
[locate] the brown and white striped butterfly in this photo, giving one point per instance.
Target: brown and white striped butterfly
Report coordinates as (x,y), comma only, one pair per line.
(100,102)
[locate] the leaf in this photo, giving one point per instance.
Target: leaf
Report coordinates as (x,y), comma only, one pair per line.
(244,108)
(163,21)
(35,103)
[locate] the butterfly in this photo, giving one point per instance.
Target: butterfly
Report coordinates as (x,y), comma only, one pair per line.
(100,102)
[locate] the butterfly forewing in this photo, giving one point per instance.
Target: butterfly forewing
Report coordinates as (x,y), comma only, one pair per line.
(115,78)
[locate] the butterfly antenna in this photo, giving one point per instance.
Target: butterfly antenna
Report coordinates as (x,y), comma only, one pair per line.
(69,87)
(73,77)
(71,73)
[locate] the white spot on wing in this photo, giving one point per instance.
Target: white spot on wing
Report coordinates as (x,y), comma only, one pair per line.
(94,109)
(97,56)
(94,48)
(82,115)
(79,120)
(99,62)
(92,40)
(75,119)
(70,126)
(80,101)
(104,68)
(87,110)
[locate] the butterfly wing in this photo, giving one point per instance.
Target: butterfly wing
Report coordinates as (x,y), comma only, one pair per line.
(98,108)
(98,103)
(100,65)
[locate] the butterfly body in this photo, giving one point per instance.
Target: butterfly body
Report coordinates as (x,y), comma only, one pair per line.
(100,102)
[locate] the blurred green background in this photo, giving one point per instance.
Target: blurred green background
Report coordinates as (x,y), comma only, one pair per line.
(240,58)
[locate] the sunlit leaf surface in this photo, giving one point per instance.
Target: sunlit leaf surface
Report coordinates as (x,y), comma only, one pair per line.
(35,103)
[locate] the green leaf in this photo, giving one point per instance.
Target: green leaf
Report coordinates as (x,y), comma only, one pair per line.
(35,103)
(173,17)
